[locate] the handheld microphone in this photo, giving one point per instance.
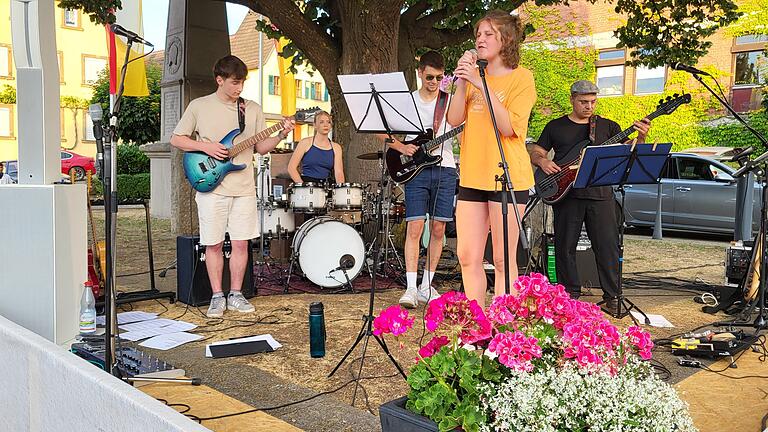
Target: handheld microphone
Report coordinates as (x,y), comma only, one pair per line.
(97,115)
(690,69)
(121,31)
(474,52)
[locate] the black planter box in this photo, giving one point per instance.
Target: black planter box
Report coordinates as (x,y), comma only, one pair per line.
(395,418)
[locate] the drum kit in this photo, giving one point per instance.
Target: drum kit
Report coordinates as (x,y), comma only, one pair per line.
(331,228)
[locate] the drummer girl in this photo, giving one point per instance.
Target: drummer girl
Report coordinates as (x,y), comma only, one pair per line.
(318,156)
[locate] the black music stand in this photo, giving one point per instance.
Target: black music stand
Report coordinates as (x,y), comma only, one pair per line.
(379,104)
(618,165)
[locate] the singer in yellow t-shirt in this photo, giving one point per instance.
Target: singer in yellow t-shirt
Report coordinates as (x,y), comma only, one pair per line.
(512,91)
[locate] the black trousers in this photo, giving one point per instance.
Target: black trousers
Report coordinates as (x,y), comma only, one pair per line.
(599,217)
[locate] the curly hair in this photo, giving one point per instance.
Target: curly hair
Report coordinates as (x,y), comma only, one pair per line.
(510,29)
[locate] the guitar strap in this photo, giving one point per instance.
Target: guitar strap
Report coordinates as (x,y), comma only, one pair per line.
(241,113)
(592,128)
(440,106)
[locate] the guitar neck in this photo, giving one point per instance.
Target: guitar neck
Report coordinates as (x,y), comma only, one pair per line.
(250,142)
(621,137)
(435,143)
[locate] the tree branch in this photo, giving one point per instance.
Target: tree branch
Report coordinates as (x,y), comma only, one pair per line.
(323,51)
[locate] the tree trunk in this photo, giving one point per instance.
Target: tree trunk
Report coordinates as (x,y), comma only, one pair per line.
(369,44)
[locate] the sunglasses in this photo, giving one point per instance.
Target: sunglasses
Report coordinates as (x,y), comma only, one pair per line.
(434,77)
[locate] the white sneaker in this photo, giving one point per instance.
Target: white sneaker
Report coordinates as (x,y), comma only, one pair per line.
(410,298)
(217,307)
(427,295)
(237,302)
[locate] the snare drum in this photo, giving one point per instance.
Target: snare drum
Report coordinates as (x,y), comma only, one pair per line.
(278,220)
(307,198)
(320,244)
(347,196)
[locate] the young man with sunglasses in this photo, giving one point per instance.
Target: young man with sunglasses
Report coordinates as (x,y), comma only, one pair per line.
(433,189)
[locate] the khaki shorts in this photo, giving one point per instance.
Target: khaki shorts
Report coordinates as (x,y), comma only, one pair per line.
(221,214)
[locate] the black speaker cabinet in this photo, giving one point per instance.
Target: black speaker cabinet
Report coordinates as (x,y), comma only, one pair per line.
(585,262)
(522,260)
(192,284)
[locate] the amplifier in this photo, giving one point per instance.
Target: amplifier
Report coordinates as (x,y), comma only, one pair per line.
(737,260)
(192,284)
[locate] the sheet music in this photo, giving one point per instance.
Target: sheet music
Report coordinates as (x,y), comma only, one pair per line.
(399,108)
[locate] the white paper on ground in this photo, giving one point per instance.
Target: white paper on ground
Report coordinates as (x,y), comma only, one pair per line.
(170,340)
(145,329)
(267,337)
(656,320)
(128,317)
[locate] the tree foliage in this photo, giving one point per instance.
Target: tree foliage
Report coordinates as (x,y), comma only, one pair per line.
(139,121)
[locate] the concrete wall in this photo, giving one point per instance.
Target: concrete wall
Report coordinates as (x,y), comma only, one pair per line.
(46,388)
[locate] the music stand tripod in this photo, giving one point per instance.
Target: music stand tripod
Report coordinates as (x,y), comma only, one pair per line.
(618,165)
(380,104)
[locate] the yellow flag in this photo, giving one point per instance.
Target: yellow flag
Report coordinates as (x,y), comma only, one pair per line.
(130,18)
(287,83)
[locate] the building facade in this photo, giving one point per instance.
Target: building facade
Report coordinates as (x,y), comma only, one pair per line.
(82,54)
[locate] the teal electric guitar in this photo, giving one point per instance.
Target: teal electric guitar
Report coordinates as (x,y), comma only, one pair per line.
(205,172)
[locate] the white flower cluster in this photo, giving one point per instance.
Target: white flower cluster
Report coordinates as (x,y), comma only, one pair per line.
(567,399)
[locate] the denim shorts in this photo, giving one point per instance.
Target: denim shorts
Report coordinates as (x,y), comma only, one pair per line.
(431,191)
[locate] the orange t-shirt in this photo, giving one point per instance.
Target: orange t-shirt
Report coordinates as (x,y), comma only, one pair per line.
(479,157)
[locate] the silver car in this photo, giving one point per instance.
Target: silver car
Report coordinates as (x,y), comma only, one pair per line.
(698,194)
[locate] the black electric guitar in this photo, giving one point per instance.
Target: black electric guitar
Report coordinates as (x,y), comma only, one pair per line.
(403,168)
(554,187)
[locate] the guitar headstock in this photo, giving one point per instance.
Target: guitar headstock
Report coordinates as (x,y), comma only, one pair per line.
(669,104)
(306,115)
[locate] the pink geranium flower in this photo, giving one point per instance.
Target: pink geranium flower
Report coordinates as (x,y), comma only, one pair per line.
(433,346)
(394,320)
(515,350)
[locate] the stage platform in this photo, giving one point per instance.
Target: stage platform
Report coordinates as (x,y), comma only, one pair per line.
(204,401)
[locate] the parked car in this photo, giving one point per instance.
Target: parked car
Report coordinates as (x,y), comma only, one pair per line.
(11,169)
(698,194)
(73,163)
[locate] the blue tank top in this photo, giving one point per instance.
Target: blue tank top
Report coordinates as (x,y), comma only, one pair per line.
(317,163)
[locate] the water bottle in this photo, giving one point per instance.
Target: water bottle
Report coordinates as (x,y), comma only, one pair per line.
(316,330)
(88,310)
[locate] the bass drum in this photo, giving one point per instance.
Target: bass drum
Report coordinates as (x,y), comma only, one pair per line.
(320,243)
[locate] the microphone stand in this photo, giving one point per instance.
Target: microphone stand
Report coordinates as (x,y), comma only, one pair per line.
(506,184)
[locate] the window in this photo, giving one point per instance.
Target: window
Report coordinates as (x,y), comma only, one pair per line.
(62,114)
(92,66)
(6,61)
(274,85)
(313,91)
(71,19)
(307,86)
(693,169)
(87,128)
(317,91)
(299,87)
(610,72)
(750,65)
(6,121)
(65,156)
(650,80)
(60,58)
(325,94)
(751,68)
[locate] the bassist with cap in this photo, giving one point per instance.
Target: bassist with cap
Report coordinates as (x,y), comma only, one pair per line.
(594,207)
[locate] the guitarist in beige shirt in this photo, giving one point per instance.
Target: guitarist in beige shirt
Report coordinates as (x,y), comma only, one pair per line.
(593,207)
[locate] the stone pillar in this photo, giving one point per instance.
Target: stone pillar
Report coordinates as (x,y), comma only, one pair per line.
(159,155)
(197,37)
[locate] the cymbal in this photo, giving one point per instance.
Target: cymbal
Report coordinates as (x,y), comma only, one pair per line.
(371,156)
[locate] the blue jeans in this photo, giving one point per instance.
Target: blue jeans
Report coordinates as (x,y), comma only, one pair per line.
(431,191)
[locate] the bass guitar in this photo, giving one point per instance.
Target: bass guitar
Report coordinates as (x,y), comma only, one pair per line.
(205,172)
(403,168)
(552,188)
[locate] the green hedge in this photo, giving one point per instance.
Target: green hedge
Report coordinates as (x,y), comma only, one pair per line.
(131,188)
(131,160)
